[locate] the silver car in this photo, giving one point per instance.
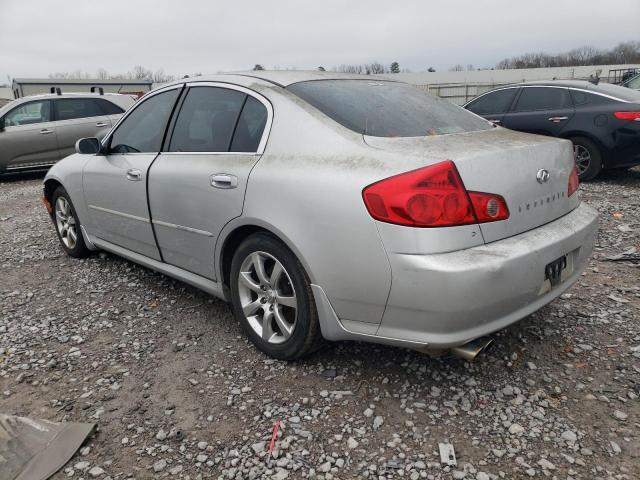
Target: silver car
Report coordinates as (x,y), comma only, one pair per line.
(328,206)
(39,130)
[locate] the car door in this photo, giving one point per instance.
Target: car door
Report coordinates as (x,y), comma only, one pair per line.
(541,110)
(29,136)
(78,118)
(197,184)
(115,184)
(493,105)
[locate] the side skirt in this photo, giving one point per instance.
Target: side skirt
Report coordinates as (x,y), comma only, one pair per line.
(192,279)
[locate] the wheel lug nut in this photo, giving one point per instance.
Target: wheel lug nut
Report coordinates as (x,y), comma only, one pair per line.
(263,300)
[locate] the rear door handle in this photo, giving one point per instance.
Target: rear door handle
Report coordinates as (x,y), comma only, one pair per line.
(557,119)
(45,131)
(102,124)
(223,180)
(495,121)
(134,175)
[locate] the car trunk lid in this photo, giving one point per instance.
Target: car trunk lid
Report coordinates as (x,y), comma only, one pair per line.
(531,172)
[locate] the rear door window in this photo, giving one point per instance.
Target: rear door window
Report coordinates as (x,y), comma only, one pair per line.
(108,108)
(494,102)
(70,108)
(386,109)
(543,98)
(207,120)
(250,127)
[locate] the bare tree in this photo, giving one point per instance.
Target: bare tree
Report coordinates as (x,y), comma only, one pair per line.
(350,68)
(375,67)
(141,73)
(457,68)
(102,74)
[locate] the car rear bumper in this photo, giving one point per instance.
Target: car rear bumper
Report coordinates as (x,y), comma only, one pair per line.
(446,300)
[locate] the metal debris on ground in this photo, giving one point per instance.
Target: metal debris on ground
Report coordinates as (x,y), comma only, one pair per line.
(447,454)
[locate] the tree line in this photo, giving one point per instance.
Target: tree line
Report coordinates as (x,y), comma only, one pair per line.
(623,53)
(137,73)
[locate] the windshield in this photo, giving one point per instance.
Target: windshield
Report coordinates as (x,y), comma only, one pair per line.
(386,109)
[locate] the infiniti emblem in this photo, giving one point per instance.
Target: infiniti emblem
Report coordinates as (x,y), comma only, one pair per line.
(542,176)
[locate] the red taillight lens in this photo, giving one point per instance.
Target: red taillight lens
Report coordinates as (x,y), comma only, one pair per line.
(573,181)
(627,116)
(433,196)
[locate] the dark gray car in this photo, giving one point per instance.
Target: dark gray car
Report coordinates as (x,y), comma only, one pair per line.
(38,131)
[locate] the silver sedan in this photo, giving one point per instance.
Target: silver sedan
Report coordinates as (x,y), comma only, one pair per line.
(325,206)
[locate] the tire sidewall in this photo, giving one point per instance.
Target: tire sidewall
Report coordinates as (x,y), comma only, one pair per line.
(306,307)
(595,164)
(80,249)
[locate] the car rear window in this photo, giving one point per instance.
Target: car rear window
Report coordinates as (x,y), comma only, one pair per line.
(386,109)
(623,93)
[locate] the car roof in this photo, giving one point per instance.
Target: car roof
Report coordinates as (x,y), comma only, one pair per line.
(615,92)
(282,78)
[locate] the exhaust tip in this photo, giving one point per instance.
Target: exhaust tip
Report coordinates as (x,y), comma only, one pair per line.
(469,351)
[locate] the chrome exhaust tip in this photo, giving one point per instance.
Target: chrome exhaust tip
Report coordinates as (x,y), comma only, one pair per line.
(472,349)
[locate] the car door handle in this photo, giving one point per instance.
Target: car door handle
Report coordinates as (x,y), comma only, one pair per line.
(557,119)
(495,121)
(134,175)
(223,180)
(102,124)
(45,131)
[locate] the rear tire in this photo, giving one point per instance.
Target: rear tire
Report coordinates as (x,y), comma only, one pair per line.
(588,158)
(67,224)
(272,299)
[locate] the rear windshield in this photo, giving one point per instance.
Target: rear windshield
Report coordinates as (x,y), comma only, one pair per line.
(386,109)
(623,93)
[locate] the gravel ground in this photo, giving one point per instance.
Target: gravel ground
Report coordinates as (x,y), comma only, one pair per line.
(177,392)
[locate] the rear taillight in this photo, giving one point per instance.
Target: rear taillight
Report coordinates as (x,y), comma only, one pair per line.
(432,196)
(573,181)
(632,116)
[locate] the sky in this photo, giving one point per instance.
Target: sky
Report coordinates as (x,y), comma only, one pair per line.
(41,37)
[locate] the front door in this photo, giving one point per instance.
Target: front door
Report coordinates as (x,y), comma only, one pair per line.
(29,136)
(493,105)
(541,110)
(197,184)
(115,184)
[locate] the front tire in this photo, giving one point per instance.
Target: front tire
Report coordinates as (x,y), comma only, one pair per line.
(67,225)
(588,158)
(272,298)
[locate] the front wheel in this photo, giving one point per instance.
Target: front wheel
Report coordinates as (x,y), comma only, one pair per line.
(272,299)
(588,158)
(67,225)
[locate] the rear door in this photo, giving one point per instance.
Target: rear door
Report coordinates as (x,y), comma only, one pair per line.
(493,105)
(78,118)
(29,136)
(197,184)
(541,110)
(115,184)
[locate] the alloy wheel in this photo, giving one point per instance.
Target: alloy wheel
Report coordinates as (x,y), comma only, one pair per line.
(66,223)
(582,157)
(267,297)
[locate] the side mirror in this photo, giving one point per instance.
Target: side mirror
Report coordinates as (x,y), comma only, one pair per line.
(2,124)
(88,146)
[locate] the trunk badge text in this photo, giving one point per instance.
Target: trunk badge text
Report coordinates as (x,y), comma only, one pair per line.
(542,176)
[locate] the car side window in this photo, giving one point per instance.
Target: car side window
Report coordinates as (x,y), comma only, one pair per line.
(142,131)
(71,108)
(108,108)
(494,102)
(29,113)
(207,120)
(542,98)
(250,126)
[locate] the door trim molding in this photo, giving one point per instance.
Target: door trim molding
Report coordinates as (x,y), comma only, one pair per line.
(120,214)
(183,228)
